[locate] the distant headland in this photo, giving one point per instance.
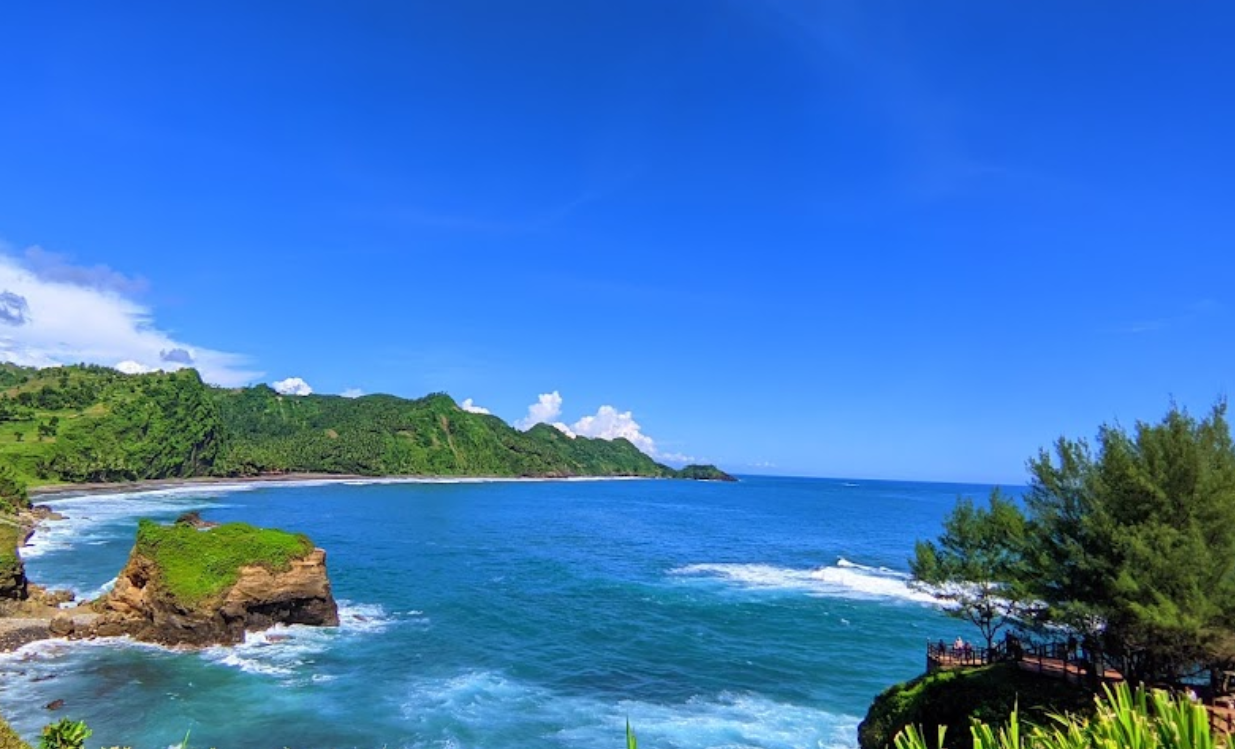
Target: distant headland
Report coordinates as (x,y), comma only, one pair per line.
(91,425)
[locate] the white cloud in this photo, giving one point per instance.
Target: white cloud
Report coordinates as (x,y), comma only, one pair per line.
(352,393)
(52,313)
(470,406)
(292,386)
(607,423)
(131,367)
(546,408)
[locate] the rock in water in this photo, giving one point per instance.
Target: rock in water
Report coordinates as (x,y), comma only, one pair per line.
(198,587)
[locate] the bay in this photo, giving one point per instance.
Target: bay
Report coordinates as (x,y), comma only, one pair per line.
(766,613)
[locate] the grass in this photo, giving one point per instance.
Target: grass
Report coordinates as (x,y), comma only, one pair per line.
(196,565)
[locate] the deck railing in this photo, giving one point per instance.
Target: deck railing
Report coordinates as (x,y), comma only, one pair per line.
(942,655)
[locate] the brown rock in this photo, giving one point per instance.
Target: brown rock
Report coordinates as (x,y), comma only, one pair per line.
(259,599)
(61,625)
(54,705)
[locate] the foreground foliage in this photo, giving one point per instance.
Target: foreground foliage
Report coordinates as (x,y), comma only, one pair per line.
(198,564)
(952,698)
(1131,545)
(1122,719)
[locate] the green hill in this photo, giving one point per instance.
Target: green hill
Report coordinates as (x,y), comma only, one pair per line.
(93,424)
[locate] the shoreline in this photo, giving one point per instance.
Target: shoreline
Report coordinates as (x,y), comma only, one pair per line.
(55,491)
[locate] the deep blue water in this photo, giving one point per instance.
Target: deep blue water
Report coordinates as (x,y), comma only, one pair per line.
(534,614)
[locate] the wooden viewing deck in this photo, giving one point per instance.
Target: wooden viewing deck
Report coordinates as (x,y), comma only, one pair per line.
(1055,660)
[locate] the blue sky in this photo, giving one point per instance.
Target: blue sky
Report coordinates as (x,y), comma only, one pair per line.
(869,239)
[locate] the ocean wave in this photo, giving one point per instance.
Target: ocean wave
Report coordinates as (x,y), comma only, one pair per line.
(844,580)
(449,711)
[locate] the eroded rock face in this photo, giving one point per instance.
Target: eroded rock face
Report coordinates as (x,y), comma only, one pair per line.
(259,599)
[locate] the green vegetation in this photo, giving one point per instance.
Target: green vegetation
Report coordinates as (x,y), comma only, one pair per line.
(9,738)
(195,565)
(951,698)
(12,572)
(1121,719)
(87,423)
(65,734)
(704,473)
(1131,546)
(12,499)
(981,547)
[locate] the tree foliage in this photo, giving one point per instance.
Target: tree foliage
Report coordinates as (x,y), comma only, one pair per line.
(975,564)
(1130,544)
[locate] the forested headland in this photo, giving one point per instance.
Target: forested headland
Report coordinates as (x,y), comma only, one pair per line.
(87,423)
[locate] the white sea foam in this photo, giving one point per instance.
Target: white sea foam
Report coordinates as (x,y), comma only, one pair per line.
(483,702)
(844,580)
(95,519)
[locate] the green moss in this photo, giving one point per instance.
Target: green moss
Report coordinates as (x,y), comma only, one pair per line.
(195,565)
(9,738)
(954,697)
(12,574)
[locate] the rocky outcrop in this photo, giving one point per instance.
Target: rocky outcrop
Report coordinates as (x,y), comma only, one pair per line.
(140,606)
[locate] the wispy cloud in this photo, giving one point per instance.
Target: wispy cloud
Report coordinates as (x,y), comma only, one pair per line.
(53,312)
(852,40)
(1189,314)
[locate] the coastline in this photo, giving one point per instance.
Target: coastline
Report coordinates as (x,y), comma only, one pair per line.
(54,491)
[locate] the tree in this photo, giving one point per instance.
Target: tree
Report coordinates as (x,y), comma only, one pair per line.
(1131,545)
(1135,545)
(13,494)
(975,565)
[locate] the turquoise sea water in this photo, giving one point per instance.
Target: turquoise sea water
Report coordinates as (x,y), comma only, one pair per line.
(530,614)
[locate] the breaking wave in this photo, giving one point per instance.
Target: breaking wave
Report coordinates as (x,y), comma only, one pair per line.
(843,580)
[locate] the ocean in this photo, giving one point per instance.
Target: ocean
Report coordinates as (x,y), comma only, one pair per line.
(766,613)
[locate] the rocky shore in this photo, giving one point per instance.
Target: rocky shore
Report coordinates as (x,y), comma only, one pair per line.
(276,578)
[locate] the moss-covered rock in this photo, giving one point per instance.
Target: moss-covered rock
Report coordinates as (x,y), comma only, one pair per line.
(13,585)
(955,697)
(187,585)
(9,738)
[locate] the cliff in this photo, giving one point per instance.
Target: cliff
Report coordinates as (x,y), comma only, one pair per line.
(187,585)
(955,697)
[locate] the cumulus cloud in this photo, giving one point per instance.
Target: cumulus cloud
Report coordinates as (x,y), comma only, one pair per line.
(608,423)
(14,309)
(469,406)
(548,406)
(292,386)
(52,313)
(352,393)
(131,367)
